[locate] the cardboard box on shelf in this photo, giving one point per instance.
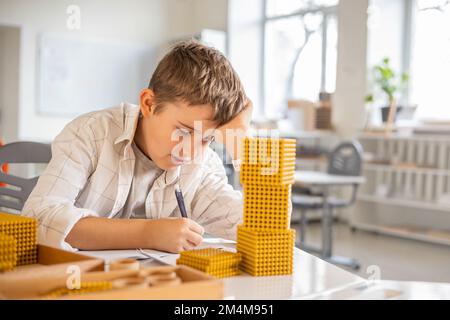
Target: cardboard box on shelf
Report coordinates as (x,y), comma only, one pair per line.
(303,114)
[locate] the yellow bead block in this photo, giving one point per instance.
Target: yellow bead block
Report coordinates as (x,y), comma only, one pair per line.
(85,288)
(24,231)
(8,252)
(216,262)
(259,149)
(211,256)
(268,161)
(267,207)
(265,243)
(266,253)
(283,267)
(254,175)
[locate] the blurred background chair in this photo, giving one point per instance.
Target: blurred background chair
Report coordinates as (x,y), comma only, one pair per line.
(16,190)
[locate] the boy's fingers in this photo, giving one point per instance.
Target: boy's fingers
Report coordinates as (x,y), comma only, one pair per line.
(194,238)
(194,226)
(187,246)
(191,245)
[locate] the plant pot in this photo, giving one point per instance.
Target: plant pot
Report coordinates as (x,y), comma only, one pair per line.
(385,113)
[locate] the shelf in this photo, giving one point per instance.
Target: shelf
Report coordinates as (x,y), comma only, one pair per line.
(390,167)
(315,134)
(320,160)
(416,163)
(282,133)
(398,232)
(421,137)
(403,202)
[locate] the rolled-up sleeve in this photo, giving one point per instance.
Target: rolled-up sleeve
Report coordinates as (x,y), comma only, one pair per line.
(52,201)
(216,205)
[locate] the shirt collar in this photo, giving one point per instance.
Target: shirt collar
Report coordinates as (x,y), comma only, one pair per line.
(171,176)
(131,117)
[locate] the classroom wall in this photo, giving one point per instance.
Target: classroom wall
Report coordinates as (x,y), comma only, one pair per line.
(154,22)
(190,16)
(9,82)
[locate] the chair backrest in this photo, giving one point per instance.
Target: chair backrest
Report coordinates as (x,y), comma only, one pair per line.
(346,159)
(20,152)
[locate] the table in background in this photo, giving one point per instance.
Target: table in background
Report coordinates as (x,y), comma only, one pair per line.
(325,181)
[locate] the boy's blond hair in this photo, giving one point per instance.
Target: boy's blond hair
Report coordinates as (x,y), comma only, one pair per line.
(198,74)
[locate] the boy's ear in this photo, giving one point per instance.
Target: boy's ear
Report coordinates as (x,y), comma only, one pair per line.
(147,102)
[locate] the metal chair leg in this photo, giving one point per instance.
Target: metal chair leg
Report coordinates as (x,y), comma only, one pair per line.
(302,239)
(303,223)
(327,244)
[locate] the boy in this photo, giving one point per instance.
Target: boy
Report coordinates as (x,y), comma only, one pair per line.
(120,163)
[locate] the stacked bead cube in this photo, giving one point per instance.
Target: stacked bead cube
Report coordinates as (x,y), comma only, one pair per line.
(8,255)
(216,262)
(24,232)
(265,240)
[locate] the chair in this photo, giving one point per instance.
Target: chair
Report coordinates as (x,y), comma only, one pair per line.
(344,160)
(15,194)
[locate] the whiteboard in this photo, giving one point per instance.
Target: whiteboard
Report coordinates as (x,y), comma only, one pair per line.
(78,75)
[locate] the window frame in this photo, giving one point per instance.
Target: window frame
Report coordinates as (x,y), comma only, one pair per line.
(326,11)
(410,18)
(407,46)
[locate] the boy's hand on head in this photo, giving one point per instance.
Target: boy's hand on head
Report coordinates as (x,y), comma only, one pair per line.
(174,234)
(241,121)
(233,132)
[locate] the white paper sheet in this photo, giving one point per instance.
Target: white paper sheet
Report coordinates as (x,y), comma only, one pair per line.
(160,256)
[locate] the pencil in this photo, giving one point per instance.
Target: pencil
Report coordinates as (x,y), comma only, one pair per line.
(179,195)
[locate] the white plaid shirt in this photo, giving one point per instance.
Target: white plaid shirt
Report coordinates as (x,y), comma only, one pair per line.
(91,171)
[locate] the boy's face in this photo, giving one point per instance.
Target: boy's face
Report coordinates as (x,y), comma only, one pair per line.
(176,134)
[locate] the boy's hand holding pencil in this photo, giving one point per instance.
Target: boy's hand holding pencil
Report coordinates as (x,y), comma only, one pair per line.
(174,234)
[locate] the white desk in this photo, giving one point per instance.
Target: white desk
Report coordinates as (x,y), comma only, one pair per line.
(311,276)
(324,179)
(386,289)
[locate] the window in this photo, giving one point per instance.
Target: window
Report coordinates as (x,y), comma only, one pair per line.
(430,59)
(415,35)
(300,51)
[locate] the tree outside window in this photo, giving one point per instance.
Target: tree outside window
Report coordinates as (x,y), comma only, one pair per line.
(300,51)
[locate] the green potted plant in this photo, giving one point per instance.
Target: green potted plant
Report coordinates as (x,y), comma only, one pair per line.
(387,82)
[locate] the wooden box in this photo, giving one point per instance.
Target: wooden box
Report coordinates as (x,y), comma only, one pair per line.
(53,267)
(195,285)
